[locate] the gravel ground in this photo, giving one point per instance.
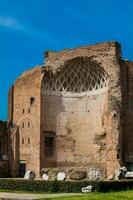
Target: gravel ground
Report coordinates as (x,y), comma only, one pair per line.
(25,196)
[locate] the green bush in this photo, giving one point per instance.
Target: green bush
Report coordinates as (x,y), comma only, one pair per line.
(63,186)
(107,186)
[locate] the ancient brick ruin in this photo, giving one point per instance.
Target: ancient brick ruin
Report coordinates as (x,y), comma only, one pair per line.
(75,111)
(4,164)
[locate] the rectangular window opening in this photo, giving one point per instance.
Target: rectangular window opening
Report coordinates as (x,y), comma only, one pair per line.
(22,140)
(32,101)
(28,140)
(49,146)
(28,124)
(23,125)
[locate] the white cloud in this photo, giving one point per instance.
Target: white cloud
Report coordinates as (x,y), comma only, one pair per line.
(14,24)
(9,22)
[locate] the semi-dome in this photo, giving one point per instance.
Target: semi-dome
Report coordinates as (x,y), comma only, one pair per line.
(79,75)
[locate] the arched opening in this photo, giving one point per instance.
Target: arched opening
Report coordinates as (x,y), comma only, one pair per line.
(74,100)
(79,76)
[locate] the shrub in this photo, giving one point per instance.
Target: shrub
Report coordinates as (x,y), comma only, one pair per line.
(107,186)
(63,186)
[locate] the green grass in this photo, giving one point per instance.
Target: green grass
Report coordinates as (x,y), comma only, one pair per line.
(127,195)
(124,195)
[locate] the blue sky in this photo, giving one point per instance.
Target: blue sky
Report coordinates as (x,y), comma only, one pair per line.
(29,27)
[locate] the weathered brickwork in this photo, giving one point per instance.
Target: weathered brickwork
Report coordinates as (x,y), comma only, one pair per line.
(127,74)
(25,131)
(4,167)
(73,112)
(96,133)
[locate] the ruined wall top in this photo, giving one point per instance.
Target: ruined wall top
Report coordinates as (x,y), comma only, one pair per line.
(128,62)
(113,48)
(54,59)
(28,77)
(29,72)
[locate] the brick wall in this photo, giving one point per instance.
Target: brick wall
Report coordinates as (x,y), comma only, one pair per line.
(26,120)
(88,129)
(127,137)
(77,130)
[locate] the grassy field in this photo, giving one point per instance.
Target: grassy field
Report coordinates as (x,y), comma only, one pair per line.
(127,195)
